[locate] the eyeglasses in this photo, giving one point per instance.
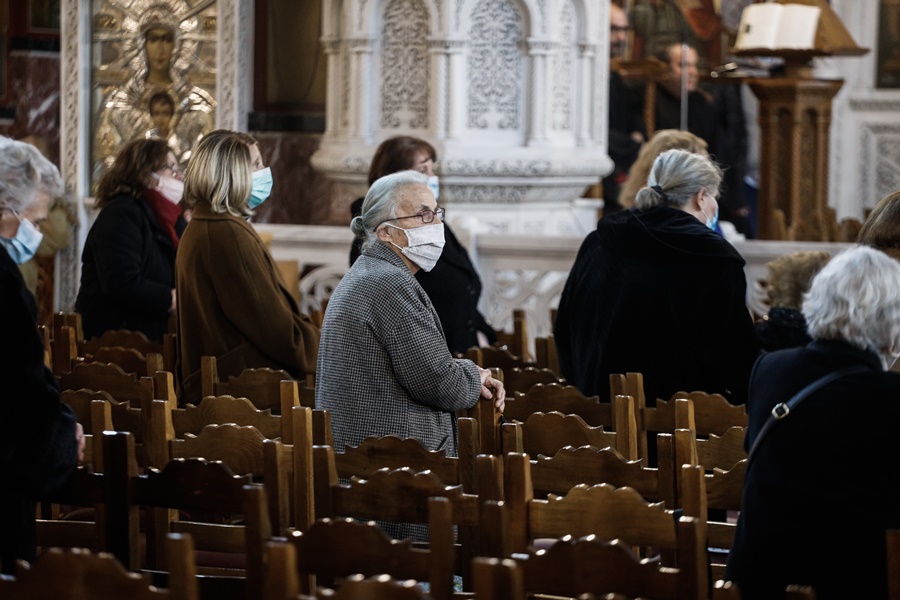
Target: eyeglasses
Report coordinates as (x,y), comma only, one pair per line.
(427,216)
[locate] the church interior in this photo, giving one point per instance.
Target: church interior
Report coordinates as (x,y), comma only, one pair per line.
(219,469)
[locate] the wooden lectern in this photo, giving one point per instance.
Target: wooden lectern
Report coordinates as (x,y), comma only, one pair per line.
(794,120)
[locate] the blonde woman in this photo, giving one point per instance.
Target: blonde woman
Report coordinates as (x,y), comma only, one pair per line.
(232,300)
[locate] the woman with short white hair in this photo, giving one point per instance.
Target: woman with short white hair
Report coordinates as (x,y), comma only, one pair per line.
(822,487)
(40,441)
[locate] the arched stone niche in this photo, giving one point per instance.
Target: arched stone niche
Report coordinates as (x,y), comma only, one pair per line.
(512,93)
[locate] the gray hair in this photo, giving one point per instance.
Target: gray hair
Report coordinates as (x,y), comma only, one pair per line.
(381,201)
(676,176)
(856,298)
(20,175)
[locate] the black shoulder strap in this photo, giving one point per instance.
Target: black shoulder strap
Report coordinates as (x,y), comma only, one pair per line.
(783,409)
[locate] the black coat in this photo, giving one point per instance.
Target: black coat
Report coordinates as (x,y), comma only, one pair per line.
(454,288)
(37,431)
(625,117)
(824,485)
(127,271)
(656,292)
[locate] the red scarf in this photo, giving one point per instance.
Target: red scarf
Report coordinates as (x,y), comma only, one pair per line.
(166,212)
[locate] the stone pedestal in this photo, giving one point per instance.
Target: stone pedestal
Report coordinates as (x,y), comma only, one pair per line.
(511,94)
(794,120)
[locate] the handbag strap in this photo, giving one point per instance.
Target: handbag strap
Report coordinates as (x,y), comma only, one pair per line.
(783,409)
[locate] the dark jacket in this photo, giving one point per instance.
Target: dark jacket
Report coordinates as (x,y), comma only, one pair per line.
(782,328)
(37,431)
(823,487)
(127,271)
(454,288)
(233,304)
(625,117)
(656,292)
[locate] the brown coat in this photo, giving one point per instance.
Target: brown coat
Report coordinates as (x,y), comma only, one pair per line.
(233,304)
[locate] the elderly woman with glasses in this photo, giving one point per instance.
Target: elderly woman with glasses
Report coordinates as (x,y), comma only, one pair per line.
(128,263)
(384,367)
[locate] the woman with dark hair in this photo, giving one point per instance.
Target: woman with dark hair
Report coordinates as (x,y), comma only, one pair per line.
(453,284)
(882,229)
(128,263)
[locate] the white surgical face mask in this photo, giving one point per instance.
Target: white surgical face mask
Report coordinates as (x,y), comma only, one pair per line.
(434,185)
(172,189)
(425,244)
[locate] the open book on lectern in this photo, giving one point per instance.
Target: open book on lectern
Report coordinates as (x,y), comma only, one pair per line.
(778,26)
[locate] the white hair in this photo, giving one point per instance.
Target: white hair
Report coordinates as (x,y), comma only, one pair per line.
(676,176)
(20,176)
(855,298)
(381,201)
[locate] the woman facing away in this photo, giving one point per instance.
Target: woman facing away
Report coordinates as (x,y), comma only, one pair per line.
(453,285)
(233,303)
(654,290)
(817,505)
(128,262)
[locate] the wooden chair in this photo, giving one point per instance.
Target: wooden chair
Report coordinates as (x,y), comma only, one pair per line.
(570,466)
(245,451)
(522,380)
(214,410)
(567,399)
(339,548)
(602,510)
(263,387)
(498,357)
(517,340)
(705,413)
(77,574)
(63,350)
(715,452)
(400,496)
(545,354)
(547,433)
(283,583)
(130,359)
(574,567)
(74,528)
(80,402)
(122,338)
(195,486)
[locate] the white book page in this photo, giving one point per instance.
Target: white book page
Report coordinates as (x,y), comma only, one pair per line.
(798,26)
(759,26)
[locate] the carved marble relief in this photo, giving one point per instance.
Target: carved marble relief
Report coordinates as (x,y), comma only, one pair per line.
(495,66)
(563,70)
(404,65)
(153,74)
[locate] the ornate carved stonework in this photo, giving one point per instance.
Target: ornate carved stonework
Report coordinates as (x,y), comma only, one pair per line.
(404,60)
(505,90)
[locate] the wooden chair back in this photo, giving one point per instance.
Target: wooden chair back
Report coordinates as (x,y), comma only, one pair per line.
(263,387)
(602,510)
(77,574)
(517,340)
(122,386)
(80,402)
(74,528)
(130,359)
(497,357)
(574,567)
(339,548)
(214,410)
(63,349)
(123,338)
(545,354)
(570,466)
(547,433)
(567,399)
(522,380)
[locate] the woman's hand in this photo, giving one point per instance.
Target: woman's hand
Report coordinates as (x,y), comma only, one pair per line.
(79,439)
(173,305)
(493,388)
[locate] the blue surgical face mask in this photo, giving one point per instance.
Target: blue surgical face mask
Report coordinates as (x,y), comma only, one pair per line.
(434,185)
(262,186)
(712,222)
(23,246)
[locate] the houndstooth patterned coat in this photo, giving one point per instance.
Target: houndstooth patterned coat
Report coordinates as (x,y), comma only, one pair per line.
(384,367)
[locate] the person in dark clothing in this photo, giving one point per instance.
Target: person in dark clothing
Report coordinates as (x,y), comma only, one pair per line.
(717,118)
(789,277)
(626,124)
(654,290)
(40,441)
(453,284)
(815,509)
(128,263)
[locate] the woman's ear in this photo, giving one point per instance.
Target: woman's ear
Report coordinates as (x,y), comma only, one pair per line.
(384,233)
(698,199)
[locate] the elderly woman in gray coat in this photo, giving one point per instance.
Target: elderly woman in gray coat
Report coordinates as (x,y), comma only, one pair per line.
(384,367)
